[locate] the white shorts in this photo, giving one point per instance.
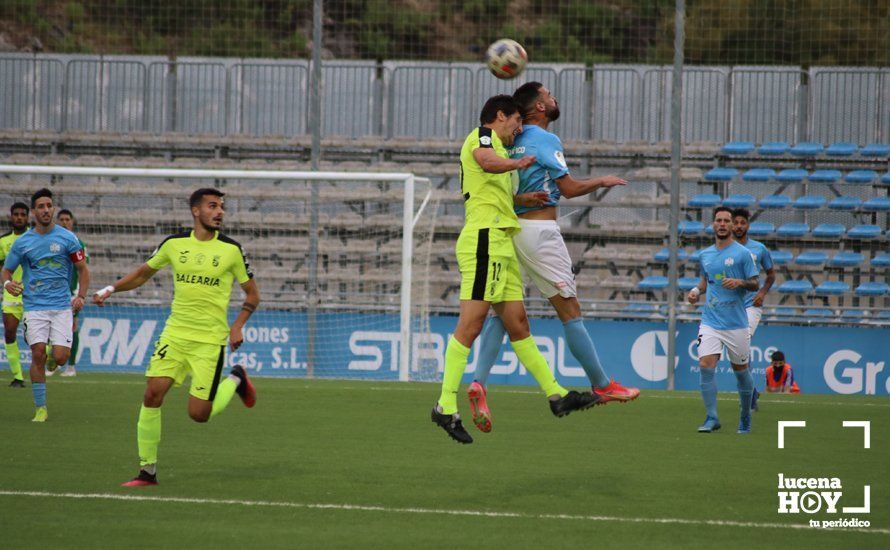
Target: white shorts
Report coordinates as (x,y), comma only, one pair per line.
(754,314)
(737,342)
(49,326)
(544,257)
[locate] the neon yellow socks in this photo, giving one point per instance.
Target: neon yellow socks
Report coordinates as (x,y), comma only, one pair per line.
(456,355)
(15,360)
(224,393)
(530,356)
(148,434)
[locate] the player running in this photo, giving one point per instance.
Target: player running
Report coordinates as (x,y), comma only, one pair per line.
(728,272)
(12,305)
(204,262)
(541,250)
(47,254)
(488,265)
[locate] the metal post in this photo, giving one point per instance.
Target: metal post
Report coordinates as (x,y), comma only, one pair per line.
(405,328)
(676,143)
(315,128)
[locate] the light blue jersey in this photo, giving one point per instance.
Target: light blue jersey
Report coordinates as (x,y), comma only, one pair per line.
(550,164)
(725,309)
(47,265)
(762,259)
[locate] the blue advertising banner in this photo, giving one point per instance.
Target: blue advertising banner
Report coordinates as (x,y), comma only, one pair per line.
(840,360)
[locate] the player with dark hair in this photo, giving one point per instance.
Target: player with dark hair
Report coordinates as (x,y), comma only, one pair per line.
(47,254)
(488,265)
(541,250)
(728,273)
(204,263)
(764,261)
(12,305)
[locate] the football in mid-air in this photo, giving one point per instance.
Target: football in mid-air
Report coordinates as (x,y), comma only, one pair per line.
(506,58)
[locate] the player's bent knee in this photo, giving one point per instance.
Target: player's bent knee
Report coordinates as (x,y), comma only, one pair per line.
(199,416)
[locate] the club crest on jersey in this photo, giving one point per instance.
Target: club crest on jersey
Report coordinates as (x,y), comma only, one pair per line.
(728,262)
(183,256)
(199,258)
(54,248)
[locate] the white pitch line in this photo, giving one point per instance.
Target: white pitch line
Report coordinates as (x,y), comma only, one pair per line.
(429,511)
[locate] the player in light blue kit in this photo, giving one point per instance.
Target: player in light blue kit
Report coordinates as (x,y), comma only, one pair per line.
(728,273)
(541,250)
(764,261)
(48,254)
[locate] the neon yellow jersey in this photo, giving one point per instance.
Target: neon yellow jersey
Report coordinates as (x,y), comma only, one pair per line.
(203,272)
(488,198)
(6,242)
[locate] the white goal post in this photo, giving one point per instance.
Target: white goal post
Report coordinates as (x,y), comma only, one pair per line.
(411,210)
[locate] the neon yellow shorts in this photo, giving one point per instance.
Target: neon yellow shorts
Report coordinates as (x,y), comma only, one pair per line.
(177,359)
(13,308)
(489,268)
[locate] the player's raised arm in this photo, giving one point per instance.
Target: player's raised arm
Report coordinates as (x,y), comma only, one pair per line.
(493,164)
(570,187)
(134,279)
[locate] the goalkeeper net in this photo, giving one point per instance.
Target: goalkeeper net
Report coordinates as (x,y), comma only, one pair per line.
(341,260)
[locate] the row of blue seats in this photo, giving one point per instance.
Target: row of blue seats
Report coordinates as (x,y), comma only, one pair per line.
(795,175)
(779,312)
(806,149)
(808,258)
(780,202)
(791,230)
(798,287)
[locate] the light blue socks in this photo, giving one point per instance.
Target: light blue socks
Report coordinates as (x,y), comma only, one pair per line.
(709,391)
(582,348)
(39,391)
(745,384)
(489,346)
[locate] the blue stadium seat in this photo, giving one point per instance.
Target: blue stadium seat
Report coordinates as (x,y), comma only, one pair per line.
(877,204)
(825,176)
(738,148)
(841,149)
(739,201)
(872,288)
(881,260)
(846,259)
(861,176)
(759,174)
(853,315)
(705,200)
(832,288)
(875,150)
(845,203)
(793,229)
(695,257)
(774,202)
(884,314)
(807,149)
(690,227)
(663,255)
(811,257)
(864,231)
(819,312)
(761,229)
(709,230)
(809,202)
(796,287)
(780,257)
(773,148)
(791,175)
(721,174)
(829,231)
(640,307)
(686,283)
(784,311)
(886,178)
(653,282)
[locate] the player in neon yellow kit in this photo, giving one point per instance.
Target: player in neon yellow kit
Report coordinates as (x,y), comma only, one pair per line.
(204,263)
(12,305)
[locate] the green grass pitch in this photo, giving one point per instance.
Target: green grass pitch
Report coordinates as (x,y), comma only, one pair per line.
(623,475)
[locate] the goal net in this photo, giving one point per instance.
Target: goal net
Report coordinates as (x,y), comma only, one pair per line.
(341,260)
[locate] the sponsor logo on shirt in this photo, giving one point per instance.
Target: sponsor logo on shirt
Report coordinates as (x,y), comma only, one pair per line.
(197,279)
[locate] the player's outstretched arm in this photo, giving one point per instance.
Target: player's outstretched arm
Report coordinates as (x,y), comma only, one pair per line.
(490,162)
(83,280)
(13,287)
(569,187)
(134,279)
(251,301)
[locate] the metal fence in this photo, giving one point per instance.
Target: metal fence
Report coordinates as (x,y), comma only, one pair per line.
(435,100)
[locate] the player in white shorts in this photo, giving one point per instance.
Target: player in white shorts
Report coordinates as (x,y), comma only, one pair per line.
(764,261)
(541,249)
(47,253)
(728,272)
